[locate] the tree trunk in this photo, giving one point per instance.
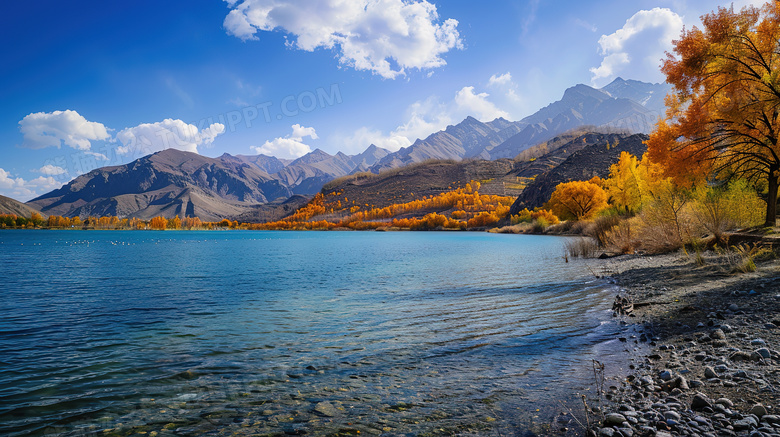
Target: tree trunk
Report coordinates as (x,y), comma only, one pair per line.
(771,200)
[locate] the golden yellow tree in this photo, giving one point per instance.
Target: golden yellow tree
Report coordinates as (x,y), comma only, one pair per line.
(623,185)
(577,200)
(724,115)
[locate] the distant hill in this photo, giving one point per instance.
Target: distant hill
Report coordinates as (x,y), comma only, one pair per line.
(577,158)
(173,182)
(167,183)
(419,180)
(11,206)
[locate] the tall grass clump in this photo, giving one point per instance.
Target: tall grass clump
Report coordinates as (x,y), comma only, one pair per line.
(582,247)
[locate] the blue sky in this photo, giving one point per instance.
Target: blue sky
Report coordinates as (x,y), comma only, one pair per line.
(87,84)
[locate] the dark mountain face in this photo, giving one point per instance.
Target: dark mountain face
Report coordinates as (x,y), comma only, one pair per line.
(579,159)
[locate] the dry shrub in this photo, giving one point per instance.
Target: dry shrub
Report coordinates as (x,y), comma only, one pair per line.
(622,238)
(718,209)
(676,218)
(742,258)
(665,223)
(579,228)
(584,247)
(601,227)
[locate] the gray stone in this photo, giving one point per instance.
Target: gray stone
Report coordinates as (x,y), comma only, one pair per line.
(757,342)
(614,419)
(709,372)
(700,401)
(733,307)
(606,432)
(770,418)
(744,424)
(326,409)
(718,335)
(665,375)
(672,415)
(759,410)
(764,352)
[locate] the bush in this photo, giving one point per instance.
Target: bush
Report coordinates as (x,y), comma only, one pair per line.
(622,238)
(718,209)
(601,227)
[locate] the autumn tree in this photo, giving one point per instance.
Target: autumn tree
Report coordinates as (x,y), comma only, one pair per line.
(158,223)
(174,223)
(36,219)
(623,185)
(724,115)
(577,200)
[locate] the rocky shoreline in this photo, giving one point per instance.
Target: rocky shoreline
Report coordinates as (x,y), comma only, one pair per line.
(705,358)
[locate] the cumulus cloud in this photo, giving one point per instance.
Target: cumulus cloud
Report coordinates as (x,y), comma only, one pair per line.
(23,190)
(500,80)
(148,138)
(478,104)
(637,48)
(386,37)
(52,170)
(53,129)
(289,147)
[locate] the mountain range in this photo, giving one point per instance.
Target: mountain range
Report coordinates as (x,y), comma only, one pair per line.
(625,105)
(172,182)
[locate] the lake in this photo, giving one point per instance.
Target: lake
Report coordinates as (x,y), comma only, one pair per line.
(273,333)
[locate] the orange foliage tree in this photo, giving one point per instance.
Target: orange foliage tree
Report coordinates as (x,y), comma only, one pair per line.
(724,116)
(159,223)
(577,200)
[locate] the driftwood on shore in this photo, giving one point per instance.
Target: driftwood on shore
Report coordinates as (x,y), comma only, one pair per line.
(624,306)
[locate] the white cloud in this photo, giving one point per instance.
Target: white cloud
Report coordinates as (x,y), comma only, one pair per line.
(478,105)
(637,48)
(148,138)
(299,132)
(500,80)
(52,170)
(386,37)
(53,129)
(364,137)
(289,147)
(23,190)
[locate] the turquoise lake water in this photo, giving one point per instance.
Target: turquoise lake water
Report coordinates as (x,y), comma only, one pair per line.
(274,333)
